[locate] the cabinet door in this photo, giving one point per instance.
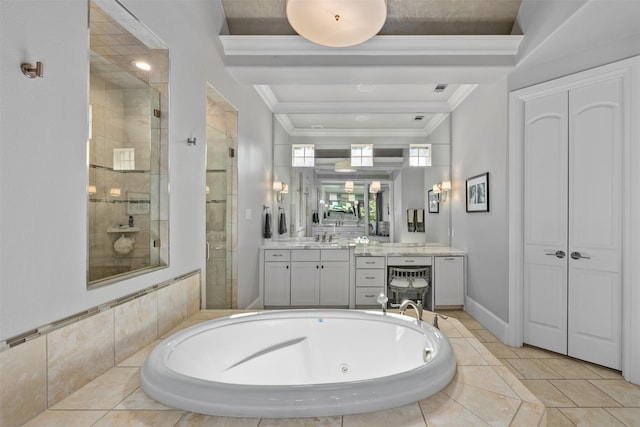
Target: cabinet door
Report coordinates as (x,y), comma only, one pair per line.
(449,280)
(277,283)
(334,283)
(305,283)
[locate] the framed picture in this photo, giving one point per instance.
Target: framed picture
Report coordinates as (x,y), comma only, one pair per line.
(478,193)
(434,202)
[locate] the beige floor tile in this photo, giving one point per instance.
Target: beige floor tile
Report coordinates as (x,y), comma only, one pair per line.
(511,369)
(301,422)
(471,324)
(465,353)
(449,329)
(105,392)
(408,415)
(627,416)
(584,394)
(529,414)
(493,408)
(500,350)
(590,417)
(533,369)
(555,418)
(527,352)
(570,369)
(138,400)
(548,394)
(140,419)
(485,378)
(624,393)
(53,418)
(442,410)
(458,314)
(198,420)
(138,358)
(482,350)
(607,373)
(516,385)
(485,336)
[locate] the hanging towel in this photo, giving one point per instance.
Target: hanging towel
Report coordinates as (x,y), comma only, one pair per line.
(267,225)
(282,224)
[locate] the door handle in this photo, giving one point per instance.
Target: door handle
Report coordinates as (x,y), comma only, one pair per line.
(558,254)
(207,249)
(578,255)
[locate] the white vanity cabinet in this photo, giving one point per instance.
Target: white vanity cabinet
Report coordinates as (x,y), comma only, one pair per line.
(319,277)
(370,279)
(277,277)
(449,280)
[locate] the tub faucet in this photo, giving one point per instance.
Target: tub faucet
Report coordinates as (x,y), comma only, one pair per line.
(408,303)
(435,319)
(382,300)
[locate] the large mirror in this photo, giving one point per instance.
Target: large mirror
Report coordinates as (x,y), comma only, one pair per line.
(127,147)
(379,201)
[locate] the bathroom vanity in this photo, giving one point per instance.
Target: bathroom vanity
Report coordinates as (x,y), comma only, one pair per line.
(306,273)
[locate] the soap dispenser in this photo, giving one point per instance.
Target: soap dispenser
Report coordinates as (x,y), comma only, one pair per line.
(130,220)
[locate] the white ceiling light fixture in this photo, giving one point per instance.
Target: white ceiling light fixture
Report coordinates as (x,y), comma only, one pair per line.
(344,166)
(348,186)
(337,23)
(374,187)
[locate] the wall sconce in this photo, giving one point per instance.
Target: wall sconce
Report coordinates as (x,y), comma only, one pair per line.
(348,186)
(92,190)
(441,189)
(374,187)
(280,188)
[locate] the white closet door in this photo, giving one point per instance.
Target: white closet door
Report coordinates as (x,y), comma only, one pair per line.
(545,219)
(595,229)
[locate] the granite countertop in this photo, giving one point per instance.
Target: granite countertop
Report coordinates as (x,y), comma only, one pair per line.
(371,249)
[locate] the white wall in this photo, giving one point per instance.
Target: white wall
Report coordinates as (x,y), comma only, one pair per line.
(437,224)
(479,144)
(43,176)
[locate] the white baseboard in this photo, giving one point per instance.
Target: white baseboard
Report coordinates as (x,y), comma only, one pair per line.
(487,319)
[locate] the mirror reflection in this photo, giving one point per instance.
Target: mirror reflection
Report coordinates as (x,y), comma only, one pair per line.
(127,149)
(342,193)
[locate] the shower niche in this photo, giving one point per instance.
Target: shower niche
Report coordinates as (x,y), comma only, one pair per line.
(127,150)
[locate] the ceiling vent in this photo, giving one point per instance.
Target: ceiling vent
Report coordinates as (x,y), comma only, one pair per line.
(440,87)
(418,118)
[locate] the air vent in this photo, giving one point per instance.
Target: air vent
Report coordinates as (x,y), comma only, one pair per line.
(440,87)
(418,118)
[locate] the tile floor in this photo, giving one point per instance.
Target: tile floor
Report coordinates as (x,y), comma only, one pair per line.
(575,393)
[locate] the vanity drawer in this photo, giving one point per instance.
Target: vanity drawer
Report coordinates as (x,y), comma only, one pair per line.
(370,262)
(369,277)
(368,296)
(277,255)
(305,255)
(409,260)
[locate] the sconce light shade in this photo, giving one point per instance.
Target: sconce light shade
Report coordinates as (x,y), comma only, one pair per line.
(442,188)
(348,186)
(374,187)
(277,186)
(285,189)
(436,188)
(337,23)
(446,185)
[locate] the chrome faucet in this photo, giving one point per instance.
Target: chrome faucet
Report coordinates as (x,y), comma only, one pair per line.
(408,303)
(382,300)
(435,319)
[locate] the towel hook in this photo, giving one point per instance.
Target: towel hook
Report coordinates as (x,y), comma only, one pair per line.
(32,72)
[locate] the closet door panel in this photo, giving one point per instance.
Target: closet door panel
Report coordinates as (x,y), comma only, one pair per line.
(595,222)
(545,222)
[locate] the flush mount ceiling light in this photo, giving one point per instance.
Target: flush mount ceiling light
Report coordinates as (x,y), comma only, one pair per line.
(344,166)
(337,23)
(145,66)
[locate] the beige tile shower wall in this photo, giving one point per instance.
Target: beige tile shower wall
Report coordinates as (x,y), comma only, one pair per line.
(39,373)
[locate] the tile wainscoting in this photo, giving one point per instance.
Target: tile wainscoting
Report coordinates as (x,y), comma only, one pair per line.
(41,372)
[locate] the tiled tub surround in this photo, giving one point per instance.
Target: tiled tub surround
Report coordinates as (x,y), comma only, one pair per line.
(44,371)
(483,392)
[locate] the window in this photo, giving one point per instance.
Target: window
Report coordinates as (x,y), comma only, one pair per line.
(420,155)
(361,154)
(302,155)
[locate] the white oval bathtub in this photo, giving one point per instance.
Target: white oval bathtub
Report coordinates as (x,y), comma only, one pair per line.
(299,363)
